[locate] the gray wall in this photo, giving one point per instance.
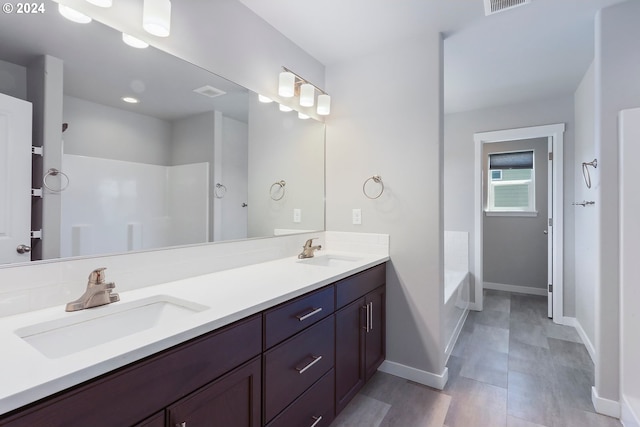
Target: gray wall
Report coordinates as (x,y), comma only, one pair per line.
(395,133)
(97,130)
(515,248)
(273,133)
(587,240)
(13,80)
(459,166)
(617,67)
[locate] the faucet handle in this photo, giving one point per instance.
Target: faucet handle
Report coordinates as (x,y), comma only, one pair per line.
(309,242)
(97,276)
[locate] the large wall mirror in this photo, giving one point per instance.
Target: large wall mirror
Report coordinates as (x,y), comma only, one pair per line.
(196,160)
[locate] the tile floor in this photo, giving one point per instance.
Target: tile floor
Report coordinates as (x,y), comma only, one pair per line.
(511,367)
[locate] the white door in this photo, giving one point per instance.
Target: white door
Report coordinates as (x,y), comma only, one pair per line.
(549,232)
(15,179)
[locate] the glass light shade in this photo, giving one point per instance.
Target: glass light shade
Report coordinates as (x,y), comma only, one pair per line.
(101,3)
(134,42)
(324,104)
(286,84)
(307,95)
(302,116)
(73,15)
(156,17)
(264,99)
(285,108)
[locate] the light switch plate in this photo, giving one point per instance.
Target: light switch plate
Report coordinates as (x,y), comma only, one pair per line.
(297,215)
(356,216)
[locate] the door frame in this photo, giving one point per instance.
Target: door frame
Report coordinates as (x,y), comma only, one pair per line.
(555,133)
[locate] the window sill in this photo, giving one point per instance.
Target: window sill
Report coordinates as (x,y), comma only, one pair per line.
(512,213)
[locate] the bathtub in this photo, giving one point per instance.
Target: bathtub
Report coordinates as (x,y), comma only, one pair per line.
(456,286)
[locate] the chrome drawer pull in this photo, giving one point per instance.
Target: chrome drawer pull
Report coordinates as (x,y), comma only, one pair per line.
(371,317)
(317,420)
(315,360)
(302,317)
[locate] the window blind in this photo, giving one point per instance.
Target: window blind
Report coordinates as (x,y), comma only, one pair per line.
(513,160)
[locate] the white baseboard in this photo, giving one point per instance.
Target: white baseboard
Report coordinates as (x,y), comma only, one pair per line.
(605,406)
(627,416)
(455,335)
(423,377)
(515,288)
(572,321)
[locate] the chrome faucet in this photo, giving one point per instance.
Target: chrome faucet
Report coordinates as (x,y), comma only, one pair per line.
(308,249)
(98,292)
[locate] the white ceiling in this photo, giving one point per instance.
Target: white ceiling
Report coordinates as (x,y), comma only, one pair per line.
(536,51)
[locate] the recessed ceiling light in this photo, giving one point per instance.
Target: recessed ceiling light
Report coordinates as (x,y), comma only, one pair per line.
(101,3)
(134,42)
(73,15)
(130,99)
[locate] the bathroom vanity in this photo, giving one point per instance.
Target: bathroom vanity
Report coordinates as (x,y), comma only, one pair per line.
(296,359)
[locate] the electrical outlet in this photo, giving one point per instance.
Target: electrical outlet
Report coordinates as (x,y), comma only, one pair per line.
(356,216)
(297,215)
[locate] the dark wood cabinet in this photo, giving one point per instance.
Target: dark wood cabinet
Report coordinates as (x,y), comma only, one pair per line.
(231,401)
(135,392)
(360,332)
(296,364)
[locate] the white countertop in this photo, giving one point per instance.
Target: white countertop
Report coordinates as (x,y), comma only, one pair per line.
(28,375)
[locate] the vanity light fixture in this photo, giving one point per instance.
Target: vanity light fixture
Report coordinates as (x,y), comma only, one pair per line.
(264,99)
(286,84)
(291,84)
(134,42)
(73,15)
(285,108)
(324,105)
(302,116)
(156,17)
(130,100)
(101,3)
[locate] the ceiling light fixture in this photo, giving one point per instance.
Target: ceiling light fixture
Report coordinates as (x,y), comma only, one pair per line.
(134,42)
(156,17)
(101,3)
(73,15)
(291,84)
(130,100)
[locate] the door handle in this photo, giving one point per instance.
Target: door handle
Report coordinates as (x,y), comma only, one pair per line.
(545,232)
(23,249)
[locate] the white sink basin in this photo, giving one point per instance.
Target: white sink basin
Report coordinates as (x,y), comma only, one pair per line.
(91,327)
(330,260)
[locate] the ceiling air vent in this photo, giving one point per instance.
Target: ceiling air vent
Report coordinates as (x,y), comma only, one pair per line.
(209,91)
(495,6)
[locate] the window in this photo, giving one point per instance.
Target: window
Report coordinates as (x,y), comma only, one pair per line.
(511,186)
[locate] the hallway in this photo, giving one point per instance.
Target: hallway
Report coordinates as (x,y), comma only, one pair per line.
(511,367)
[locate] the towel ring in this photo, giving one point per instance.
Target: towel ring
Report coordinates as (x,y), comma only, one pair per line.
(220,191)
(279,188)
(55,172)
(585,171)
(378,180)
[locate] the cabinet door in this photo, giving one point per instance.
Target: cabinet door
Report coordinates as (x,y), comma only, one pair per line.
(231,401)
(375,335)
(154,421)
(350,347)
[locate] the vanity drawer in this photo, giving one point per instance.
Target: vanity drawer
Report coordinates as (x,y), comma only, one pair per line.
(293,366)
(352,288)
(290,318)
(313,408)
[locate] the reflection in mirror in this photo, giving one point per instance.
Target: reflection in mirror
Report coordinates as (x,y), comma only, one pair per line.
(192,158)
